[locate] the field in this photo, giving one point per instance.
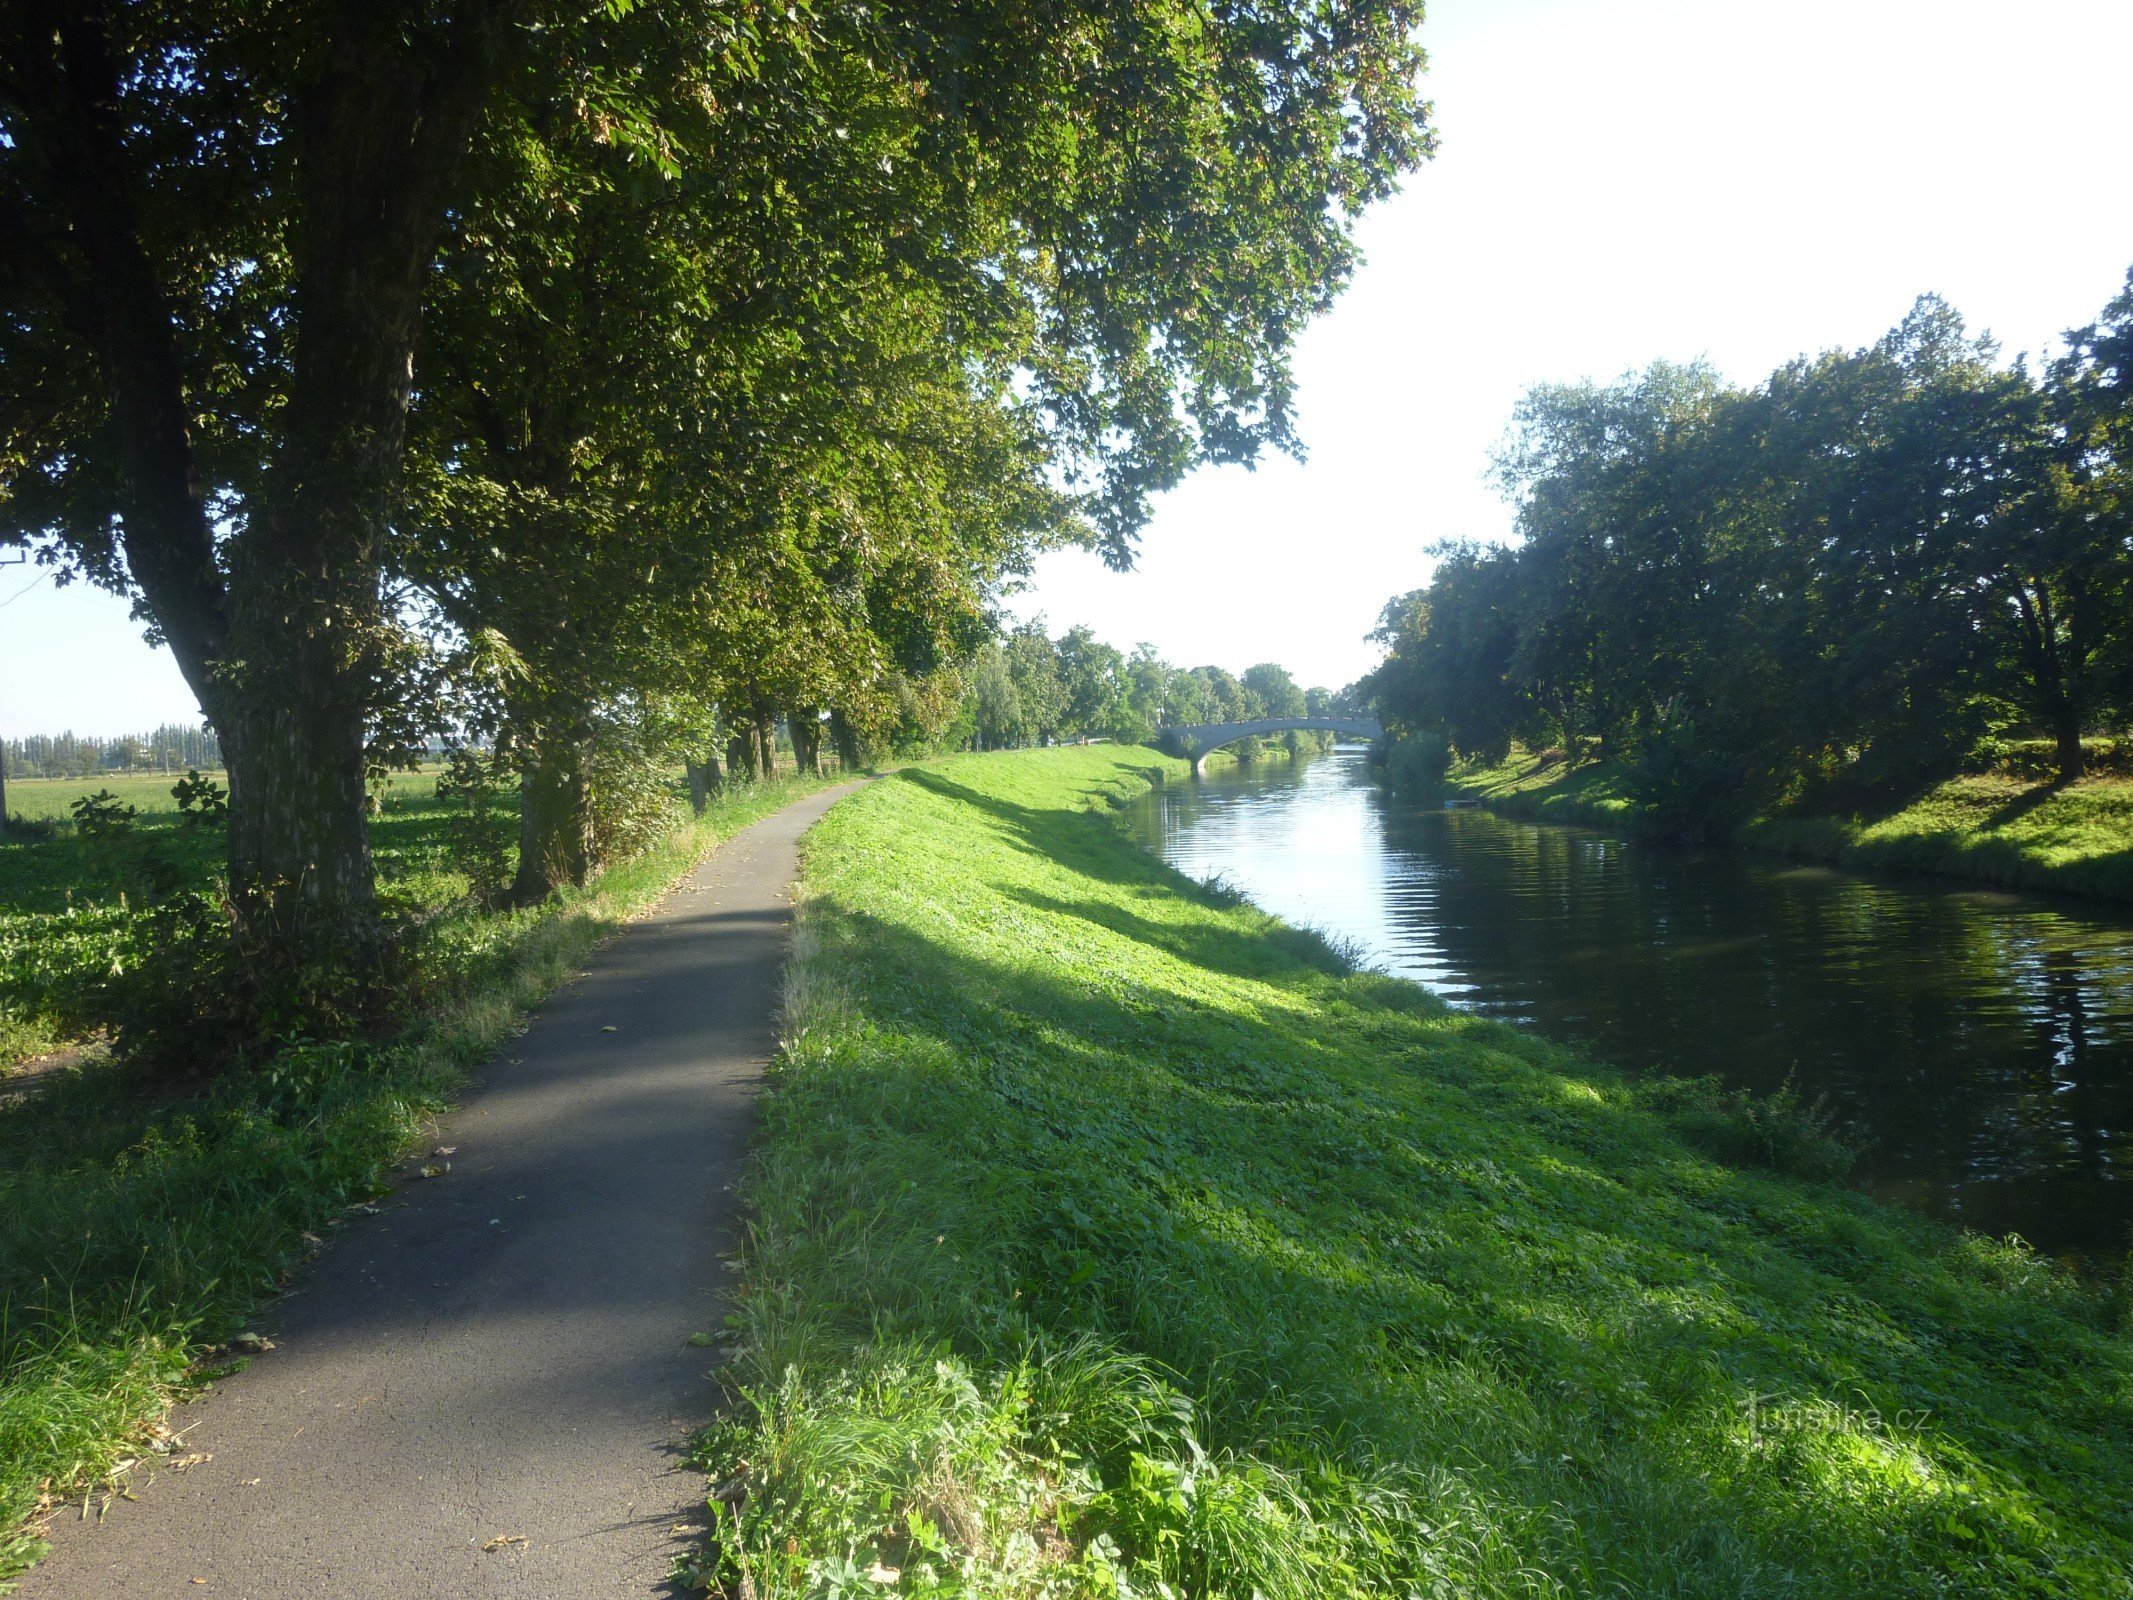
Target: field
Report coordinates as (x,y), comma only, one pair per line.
(40,798)
(72,908)
(2018,832)
(1112,1237)
(141,1221)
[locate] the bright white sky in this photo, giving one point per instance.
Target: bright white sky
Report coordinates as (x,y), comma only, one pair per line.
(1618,181)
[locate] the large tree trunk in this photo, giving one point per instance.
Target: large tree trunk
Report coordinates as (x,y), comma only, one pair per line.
(2066,733)
(299,841)
(766,736)
(555,806)
(740,754)
(2049,677)
(704,779)
(846,738)
(805,725)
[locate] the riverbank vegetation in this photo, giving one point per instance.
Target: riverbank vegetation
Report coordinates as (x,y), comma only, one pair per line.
(1112,1237)
(2004,827)
(1820,596)
(142,1217)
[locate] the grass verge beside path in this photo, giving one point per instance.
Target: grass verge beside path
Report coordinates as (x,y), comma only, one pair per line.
(2020,833)
(137,1232)
(1113,1238)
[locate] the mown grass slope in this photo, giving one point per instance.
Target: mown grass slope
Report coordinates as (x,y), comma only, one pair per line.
(2020,832)
(139,1226)
(2074,838)
(1111,1237)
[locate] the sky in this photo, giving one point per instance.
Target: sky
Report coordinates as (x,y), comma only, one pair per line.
(1617,182)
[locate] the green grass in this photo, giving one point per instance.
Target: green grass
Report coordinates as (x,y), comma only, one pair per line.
(2019,832)
(1546,789)
(148,792)
(41,798)
(74,910)
(1111,1237)
(136,1230)
(2075,839)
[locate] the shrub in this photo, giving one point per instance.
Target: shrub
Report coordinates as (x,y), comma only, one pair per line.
(477,831)
(1418,761)
(102,815)
(201,801)
(634,804)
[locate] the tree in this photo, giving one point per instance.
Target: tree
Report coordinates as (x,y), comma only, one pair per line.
(1041,693)
(216,224)
(1275,690)
(1091,673)
(220,227)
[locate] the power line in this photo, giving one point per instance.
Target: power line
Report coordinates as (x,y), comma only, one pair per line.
(26,588)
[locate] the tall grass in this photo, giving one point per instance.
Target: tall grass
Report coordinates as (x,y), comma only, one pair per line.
(137,1231)
(1111,1238)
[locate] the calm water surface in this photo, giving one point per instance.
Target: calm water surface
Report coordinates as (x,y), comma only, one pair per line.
(1982,1041)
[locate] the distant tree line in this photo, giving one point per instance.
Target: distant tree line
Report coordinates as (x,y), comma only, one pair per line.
(173,747)
(1029,689)
(1843,579)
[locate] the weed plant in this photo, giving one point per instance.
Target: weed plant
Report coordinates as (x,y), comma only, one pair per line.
(1112,1238)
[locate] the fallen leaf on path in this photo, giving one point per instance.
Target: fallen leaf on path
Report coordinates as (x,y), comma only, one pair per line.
(700,1341)
(436,1170)
(609,1027)
(503,1540)
(248,1483)
(250,1341)
(446,1150)
(180,1463)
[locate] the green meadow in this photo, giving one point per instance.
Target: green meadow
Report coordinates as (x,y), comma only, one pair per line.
(1111,1237)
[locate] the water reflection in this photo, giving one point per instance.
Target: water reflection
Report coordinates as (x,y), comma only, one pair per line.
(1983,1040)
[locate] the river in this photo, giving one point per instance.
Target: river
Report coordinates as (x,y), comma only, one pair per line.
(1980,1041)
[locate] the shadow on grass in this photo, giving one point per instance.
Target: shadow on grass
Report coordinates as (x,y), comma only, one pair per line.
(2022,804)
(1314,1233)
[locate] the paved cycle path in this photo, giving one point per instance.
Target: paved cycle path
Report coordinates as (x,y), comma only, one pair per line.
(501,1355)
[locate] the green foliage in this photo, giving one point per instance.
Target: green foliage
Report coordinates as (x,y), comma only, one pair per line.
(102,815)
(1112,1237)
(202,802)
(1842,582)
(478,832)
(1418,761)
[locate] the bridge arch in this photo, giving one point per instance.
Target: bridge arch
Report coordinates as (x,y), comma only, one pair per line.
(1199,740)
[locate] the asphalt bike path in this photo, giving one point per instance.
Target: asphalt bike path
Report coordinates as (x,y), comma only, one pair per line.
(484,1389)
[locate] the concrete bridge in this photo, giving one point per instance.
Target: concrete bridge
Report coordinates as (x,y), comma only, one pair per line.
(1199,740)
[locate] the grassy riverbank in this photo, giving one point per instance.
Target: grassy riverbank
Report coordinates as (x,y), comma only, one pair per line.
(1111,1235)
(138,1228)
(1990,828)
